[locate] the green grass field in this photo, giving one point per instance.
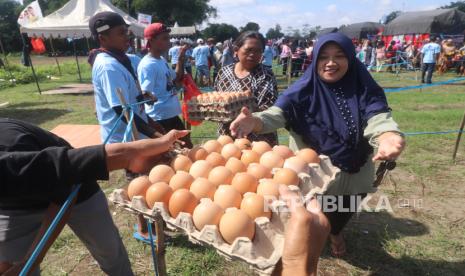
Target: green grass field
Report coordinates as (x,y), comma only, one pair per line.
(424,237)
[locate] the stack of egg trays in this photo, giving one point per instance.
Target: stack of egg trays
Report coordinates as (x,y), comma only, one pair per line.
(263,253)
(218,111)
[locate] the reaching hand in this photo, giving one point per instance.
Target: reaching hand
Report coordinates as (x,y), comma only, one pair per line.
(390,147)
(244,124)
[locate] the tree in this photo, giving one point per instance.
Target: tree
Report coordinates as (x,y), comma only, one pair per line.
(9,31)
(392,16)
(220,32)
(250,26)
(460,5)
(184,12)
(274,33)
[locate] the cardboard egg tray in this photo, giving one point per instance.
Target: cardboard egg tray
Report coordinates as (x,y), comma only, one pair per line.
(265,250)
(218,111)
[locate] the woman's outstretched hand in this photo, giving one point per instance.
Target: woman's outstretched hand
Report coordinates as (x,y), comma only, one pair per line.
(390,147)
(245,124)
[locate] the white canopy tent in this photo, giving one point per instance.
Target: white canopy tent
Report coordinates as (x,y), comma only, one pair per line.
(72,20)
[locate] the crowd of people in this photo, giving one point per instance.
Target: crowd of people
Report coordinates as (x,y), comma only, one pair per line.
(351,123)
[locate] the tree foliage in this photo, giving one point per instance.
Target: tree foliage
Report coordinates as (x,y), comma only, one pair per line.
(250,26)
(274,33)
(460,5)
(220,32)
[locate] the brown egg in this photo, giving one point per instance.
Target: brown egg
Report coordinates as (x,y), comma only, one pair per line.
(227,196)
(207,213)
(284,151)
(161,173)
(181,163)
(271,160)
(286,176)
(158,192)
(259,171)
(225,139)
(243,143)
(250,156)
(244,182)
(296,164)
(212,146)
(235,224)
(220,175)
(197,153)
(268,188)
(182,200)
(309,155)
(215,159)
(138,186)
(235,165)
(261,147)
(200,168)
(254,205)
(202,188)
(231,150)
(181,180)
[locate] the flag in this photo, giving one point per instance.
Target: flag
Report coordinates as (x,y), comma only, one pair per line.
(30,14)
(144,19)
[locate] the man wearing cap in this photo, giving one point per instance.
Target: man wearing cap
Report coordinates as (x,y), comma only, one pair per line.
(200,55)
(112,70)
(158,79)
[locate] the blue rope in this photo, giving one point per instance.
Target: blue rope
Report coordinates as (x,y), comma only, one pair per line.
(393,90)
(432,132)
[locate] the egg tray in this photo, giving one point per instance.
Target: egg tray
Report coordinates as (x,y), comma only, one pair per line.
(265,250)
(218,111)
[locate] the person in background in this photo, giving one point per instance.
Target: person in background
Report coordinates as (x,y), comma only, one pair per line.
(308,55)
(380,55)
(201,54)
(228,53)
(391,53)
(285,56)
(216,59)
(429,55)
(249,74)
(268,56)
(189,59)
(112,69)
(368,50)
(157,78)
(173,54)
(298,57)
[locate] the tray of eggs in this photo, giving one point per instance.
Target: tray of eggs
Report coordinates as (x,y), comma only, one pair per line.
(224,194)
(219,106)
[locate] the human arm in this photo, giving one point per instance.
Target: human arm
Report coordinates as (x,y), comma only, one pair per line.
(383,133)
(260,122)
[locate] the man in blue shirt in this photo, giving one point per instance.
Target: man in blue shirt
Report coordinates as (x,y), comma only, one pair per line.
(189,59)
(430,54)
(268,56)
(157,78)
(173,54)
(200,55)
(113,71)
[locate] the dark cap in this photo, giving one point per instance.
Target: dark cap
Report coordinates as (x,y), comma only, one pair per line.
(104,21)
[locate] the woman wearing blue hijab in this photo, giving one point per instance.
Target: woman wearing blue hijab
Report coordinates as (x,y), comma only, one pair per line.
(338,110)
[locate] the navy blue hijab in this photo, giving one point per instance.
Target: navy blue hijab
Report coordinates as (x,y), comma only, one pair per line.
(331,117)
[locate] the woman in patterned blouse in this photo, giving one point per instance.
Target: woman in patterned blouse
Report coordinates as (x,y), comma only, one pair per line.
(249,74)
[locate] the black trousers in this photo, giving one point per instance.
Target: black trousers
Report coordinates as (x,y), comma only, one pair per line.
(340,217)
(176,123)
(427,69)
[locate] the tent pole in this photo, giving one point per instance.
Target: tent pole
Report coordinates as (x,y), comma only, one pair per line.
(88,45)
(7,65)
(28,56)
(77,61)
(54,54)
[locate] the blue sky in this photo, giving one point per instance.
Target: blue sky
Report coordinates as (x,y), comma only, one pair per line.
(295,13)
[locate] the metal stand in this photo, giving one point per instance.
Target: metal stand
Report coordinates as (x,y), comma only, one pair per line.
(54,55)
(459,137)
(77,61)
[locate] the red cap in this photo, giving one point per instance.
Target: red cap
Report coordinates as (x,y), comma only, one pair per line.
(155,29)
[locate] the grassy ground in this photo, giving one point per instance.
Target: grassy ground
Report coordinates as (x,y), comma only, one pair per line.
(424,237)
